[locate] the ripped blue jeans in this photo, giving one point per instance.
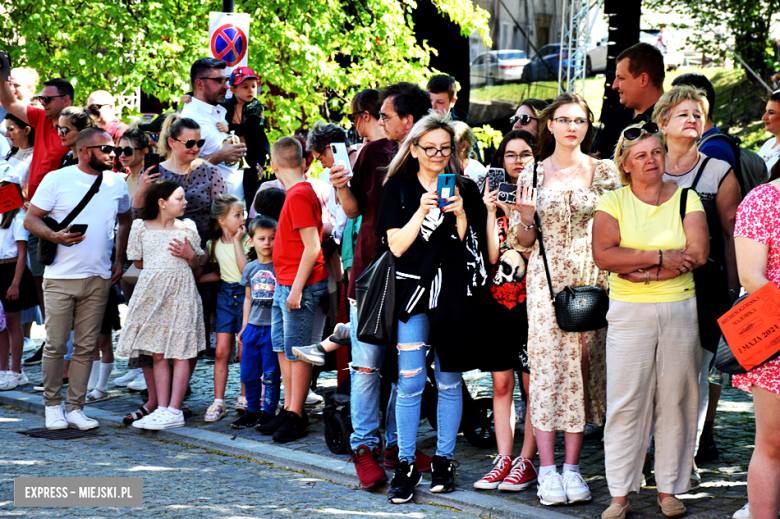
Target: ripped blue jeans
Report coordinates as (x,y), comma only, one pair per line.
(412,350)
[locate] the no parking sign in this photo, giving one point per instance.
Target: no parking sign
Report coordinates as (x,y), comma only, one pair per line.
(229,38)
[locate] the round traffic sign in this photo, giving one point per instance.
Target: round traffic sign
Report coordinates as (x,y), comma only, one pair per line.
(229,43)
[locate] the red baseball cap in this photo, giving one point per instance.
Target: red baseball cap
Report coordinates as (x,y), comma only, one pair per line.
(239,74)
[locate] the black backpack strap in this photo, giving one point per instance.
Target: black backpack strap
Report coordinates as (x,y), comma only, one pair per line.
(84,201)
(538,223)
(683,203)
(700,172)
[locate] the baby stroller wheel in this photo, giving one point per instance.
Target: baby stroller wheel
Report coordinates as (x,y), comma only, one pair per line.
(477,423)
(337,431)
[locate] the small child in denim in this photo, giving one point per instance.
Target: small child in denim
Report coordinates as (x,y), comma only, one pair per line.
(227,249)
(259,362)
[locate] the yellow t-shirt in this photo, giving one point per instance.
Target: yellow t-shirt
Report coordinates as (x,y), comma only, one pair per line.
(225,257)
(649,227)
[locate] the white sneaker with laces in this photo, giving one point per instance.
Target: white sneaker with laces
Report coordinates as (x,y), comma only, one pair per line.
(165,420)
(576,489)
(138,384)
(551,490)
(313,398)
(141,424)
(128,377)
(13,380)
(54,418)
(78,420)
(744,513)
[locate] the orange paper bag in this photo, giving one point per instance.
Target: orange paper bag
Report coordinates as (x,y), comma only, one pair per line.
(10,198)
(752,328)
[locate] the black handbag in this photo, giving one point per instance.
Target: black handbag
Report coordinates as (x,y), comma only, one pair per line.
(375,295)
(577,309)
(47,250)
(724,357)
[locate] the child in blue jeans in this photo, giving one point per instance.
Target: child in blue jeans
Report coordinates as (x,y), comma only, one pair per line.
(259,362)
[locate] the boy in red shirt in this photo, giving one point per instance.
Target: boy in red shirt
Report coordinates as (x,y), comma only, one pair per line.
(301,282)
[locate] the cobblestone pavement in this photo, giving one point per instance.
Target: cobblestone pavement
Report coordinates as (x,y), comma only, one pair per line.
(723,489)
(180,481)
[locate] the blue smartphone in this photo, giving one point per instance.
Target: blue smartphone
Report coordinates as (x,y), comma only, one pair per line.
(445,187)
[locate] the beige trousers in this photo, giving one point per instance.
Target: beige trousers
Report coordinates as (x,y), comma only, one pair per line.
(653,368)
(78,305)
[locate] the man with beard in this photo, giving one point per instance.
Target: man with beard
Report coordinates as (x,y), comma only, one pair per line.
(209,80)
(76,284)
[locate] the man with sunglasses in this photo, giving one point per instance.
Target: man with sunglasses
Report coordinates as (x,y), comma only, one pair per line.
(639,80)
(209,80)
(77,283)
(402,105)
(102,106)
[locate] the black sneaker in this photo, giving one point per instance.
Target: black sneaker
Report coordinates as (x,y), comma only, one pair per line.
(708,451)
(246,420)
(273,424)
(293,428)
(443,474)
(264,418)
(36,358)
(406,477)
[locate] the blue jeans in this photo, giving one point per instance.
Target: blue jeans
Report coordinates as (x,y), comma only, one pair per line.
(412,350)
(291,329)
(258,361)
(364,395)
(230,308)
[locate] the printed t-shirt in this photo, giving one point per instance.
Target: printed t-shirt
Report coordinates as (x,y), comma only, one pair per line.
(59,193)
(649,227)
(48,148)
(261,279)
(301,209)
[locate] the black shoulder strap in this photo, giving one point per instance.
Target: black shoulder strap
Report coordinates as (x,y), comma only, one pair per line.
(541,242)
(699,173)
(84,201)
(683,203)
(403,203)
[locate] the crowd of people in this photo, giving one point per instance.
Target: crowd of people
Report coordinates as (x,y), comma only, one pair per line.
(204,243)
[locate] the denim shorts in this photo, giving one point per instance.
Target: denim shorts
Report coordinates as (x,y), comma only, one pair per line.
(230,307)
(291,329)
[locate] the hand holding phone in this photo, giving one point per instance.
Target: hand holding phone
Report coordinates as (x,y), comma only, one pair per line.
(507,194)
(5,65)
(152,160)
(495,177)
(79,227)
(341,157)
(445,187)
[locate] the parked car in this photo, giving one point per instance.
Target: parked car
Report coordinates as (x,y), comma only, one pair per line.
(544,66)
(675,56)
(498,66)
(597,57)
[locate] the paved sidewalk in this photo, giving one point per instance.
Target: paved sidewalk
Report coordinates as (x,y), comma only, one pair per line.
(722,492)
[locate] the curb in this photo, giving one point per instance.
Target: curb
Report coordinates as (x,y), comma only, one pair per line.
(332,470)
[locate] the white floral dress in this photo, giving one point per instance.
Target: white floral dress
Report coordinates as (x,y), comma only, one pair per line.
(555,356)
(165,313)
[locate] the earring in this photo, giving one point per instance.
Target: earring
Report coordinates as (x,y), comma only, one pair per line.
(552,132)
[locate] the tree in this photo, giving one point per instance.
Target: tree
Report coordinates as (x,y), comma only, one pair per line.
(309,53)
(746,21)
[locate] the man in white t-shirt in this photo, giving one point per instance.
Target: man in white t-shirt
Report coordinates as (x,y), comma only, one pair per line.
(76,284)
(209,85)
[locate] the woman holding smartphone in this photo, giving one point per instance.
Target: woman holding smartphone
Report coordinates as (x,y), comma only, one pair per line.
(568,369)
(426,237)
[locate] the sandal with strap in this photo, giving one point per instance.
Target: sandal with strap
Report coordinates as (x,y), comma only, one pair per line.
(135,415)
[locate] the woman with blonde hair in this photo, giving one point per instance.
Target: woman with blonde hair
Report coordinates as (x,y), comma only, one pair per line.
(568,372)
(653,353)
(465,141)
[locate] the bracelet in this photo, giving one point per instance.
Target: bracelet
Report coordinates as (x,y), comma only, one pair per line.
(526,227)
(658,274)
(660,258)
(647,277)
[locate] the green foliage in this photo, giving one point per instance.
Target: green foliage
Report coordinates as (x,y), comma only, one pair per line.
(309,53)
(488,137)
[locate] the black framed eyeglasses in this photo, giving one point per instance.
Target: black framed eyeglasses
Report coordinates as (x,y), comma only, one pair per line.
(432,152)
(105,148)
(385,117)
(635,132)
(62,130)
(47,99)
(127,150)
(189,143)
(221,80)
(524,119)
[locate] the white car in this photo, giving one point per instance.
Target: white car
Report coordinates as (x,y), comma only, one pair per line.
(498,66)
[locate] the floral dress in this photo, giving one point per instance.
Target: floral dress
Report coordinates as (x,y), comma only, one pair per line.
(555,357)
(758,218)
(165,314)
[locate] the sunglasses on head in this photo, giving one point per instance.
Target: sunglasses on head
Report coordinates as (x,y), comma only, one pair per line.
(634,133)
(524,119)
(189,143)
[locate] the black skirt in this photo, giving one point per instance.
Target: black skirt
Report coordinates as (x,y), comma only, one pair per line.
(28,296)
(506,345)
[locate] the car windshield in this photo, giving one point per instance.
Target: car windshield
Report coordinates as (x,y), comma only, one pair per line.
(512,54)
(548,49)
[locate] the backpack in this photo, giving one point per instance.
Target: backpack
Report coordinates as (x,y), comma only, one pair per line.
(750,168)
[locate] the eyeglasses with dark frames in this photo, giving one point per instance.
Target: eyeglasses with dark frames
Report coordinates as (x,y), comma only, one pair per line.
(385,117)
(189,143)
(524,119)
(47,99)
(105,148)
(127,150)
(62,130)
(432,152)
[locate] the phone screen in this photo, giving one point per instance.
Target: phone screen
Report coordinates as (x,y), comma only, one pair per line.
(79,227)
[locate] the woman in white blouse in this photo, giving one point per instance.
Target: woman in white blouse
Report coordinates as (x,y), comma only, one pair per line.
(22,137)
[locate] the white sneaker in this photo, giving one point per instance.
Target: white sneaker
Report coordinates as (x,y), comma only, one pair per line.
(313,398)
(12,380)
(78,420)
(128,377)
(54,418)
(744,513)
(138,384)
(576,489)
(164,420)
(551,490)
(310,354)
(141,424)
